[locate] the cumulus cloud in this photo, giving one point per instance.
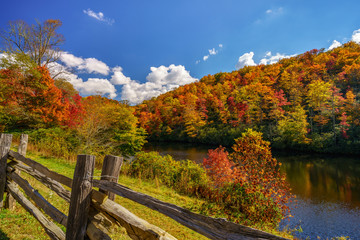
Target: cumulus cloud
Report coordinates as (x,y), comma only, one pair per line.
(246,60)
(98,16)
(334,44)
(71,60)
(356,36)
(90,87)
(220,45)
(92,65)
(98,86)
(270,59)
(118,78)
(89,65)
(206,57)
(160,80)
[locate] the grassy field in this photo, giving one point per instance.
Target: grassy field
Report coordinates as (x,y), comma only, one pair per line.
(18,224)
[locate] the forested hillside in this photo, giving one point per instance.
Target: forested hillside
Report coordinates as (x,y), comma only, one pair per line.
(310,101)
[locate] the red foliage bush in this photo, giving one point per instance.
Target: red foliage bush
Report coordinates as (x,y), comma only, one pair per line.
(249,179)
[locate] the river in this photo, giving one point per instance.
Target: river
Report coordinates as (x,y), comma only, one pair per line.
(327,189)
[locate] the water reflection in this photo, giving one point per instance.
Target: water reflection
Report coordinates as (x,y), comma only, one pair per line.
(327,189)
(180,151)
(319,178)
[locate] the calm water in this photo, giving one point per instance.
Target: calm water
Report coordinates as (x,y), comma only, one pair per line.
(327,190)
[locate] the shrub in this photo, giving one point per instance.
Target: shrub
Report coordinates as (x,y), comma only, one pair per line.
(56,141)
(249,180)
(184,176)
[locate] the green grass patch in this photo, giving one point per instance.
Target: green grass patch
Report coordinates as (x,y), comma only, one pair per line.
(19,224)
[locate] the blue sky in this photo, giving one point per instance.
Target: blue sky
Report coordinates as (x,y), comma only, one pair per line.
(132,49)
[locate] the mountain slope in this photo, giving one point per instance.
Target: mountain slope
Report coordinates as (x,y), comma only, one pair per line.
(311,101)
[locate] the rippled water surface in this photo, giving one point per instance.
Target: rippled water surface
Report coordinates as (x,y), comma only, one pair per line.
(327,190)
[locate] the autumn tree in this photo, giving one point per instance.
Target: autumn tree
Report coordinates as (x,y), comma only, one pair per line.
(293,127)
(40,41)
(109,126)
(250,169)
(28,94)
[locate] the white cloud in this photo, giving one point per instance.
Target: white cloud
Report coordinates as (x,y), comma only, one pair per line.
(90,87)
(213,51)
(356,36)
(71,60)
(98,16)
(246,60)
(334,44)
(98,86)
(270,59)
(160,80)
(90,65)
(118,78)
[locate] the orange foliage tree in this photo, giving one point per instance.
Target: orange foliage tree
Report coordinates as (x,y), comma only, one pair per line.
(30,98)
(250,170)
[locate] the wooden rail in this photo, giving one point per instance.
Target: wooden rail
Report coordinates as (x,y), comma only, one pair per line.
(92,213)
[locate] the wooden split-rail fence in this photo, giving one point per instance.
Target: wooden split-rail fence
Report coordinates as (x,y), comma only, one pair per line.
(93,212)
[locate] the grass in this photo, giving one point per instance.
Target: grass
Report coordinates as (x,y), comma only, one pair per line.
(18,224)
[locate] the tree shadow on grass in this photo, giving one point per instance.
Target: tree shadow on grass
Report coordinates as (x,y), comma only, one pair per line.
(3,236)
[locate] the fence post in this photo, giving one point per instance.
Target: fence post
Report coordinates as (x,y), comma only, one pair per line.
(110,172)
(5,143)
(80,197)
(24,138)
(10,201)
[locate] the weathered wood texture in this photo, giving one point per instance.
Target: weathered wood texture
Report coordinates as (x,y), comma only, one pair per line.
(136,227)
(47,181)
(80,198)
(101,224)
(24,138)
(39,200)
(5,143)
(40,168)
(213,228)
(50,228)
(110,172)
(93,232)
(10,201)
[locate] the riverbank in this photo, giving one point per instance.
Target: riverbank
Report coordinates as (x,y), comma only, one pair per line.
(327,189)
